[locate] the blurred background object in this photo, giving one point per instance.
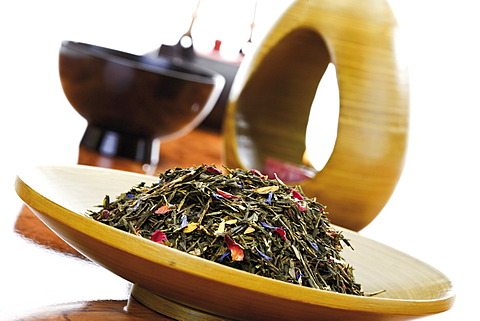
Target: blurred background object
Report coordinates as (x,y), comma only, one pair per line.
(133,102)
(225,62)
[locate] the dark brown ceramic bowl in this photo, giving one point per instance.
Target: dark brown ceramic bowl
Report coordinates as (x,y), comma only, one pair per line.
(131,102)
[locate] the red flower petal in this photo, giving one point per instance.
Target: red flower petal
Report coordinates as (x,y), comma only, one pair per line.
(331,233)
(225,194)
(281,232)
(300,207)
(258,173)
(159,237)
(296,195)
(235,249)
(214,170)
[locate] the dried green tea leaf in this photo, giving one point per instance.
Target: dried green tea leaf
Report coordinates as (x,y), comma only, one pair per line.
(240,219)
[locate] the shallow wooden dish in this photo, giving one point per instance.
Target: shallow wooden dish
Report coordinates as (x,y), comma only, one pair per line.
(59,195)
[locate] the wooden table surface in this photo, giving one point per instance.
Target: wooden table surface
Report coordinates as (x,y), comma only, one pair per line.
(198,147)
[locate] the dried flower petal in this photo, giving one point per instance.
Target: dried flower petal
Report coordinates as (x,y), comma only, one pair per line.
(223,255)
(331,233)
(213,169)
(249,230)
(267,189)
(296,195)
(163,209)
(266,225)
(190,227)
(300,207)
(269,198)
(225,194)
(136,203)
(258,173)
(221,229)
(159,237)
(235,249)
(105,214)
(281,232)
(266,257)
(184,221)
(298,276)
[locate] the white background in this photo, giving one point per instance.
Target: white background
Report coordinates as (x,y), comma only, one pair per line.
(433,214)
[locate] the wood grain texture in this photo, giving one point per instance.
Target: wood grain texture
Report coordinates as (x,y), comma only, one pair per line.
(59,194)
(271,99)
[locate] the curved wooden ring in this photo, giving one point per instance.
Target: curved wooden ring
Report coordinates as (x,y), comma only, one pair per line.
(271,98)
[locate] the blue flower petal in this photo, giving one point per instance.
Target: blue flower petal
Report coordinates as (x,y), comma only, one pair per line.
(266,257)
(266,225)
(227,252)
(184,222)
(269,198)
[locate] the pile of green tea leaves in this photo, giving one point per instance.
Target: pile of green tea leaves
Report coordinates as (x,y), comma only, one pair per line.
(238,218)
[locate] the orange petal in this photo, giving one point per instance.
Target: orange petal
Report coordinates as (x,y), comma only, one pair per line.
(235,249)
(163,209)
(190,227)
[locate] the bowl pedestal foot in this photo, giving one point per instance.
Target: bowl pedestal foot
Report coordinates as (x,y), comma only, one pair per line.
(168,307)
(106,147)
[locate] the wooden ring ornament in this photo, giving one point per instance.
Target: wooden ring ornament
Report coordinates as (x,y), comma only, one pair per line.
(271,98)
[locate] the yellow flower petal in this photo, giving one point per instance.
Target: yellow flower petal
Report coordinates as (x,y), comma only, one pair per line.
(266,189)
(221,228)
(190,227)
(249,230)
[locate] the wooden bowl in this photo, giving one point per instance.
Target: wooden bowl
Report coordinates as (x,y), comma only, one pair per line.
(60,195)
(131,102)
(271,98)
